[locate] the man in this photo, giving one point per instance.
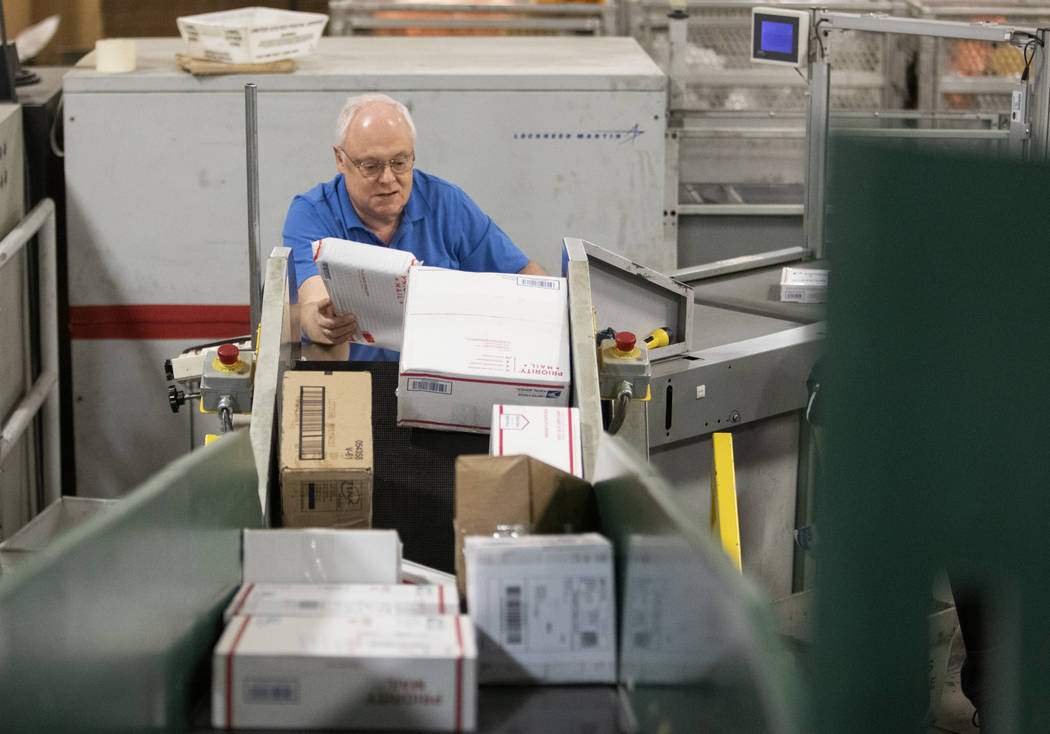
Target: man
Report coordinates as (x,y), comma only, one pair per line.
(380,198)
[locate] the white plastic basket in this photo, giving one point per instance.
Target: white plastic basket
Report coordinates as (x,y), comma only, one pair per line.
(251,35)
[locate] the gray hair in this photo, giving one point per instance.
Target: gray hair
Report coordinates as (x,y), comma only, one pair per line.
(353,104)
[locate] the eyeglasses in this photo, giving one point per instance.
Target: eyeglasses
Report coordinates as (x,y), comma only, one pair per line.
(372,168)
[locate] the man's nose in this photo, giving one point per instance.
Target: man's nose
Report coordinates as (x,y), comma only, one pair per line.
(387,174)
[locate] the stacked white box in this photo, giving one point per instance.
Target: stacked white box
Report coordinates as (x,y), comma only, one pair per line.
(321,556)
(544,608)
(370,282)
(473,340)
(342,600)
(375,672)
(803,285)
(551,435)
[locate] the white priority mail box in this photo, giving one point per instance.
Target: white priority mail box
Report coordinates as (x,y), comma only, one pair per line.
(320,556)
(341,600)
(803,285)
(417,573)
(372,672)
(551,435)
(473,340)
(369,282)
(544,608)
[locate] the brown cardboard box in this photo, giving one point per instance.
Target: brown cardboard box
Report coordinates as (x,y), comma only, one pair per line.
(517,490)
(326,449)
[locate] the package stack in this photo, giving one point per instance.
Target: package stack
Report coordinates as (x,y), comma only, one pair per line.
(323,634)
(539,586)
(544,608)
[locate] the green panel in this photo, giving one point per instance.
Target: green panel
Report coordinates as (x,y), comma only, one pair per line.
(936,403)
(108,627)
(735,675)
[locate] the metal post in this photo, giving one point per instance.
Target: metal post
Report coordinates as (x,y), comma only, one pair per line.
(1039,107)
(251,123)
(43,395)
(678,49)
(816,155)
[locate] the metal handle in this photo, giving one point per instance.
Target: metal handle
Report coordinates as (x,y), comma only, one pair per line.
(251,124)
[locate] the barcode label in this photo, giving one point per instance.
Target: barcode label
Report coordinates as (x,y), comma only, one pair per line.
(512,615)
(311,422)
(548,283)
(271,691)
(441,387)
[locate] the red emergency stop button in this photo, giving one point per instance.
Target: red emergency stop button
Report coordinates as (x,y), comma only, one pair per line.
(229,353)
(625,341)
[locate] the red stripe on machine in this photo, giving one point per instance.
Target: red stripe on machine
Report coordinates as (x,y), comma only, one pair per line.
(229,672)
(159,321)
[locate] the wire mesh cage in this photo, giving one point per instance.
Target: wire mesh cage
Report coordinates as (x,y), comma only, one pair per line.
(978,76)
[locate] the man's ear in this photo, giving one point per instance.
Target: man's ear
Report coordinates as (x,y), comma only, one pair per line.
(339,160)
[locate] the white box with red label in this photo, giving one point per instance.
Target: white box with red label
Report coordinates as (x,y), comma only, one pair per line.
(474,340)
(551,435)
(342,600)
(368,281)
(412,672)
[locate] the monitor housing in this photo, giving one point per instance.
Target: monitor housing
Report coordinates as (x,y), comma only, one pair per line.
(779,36)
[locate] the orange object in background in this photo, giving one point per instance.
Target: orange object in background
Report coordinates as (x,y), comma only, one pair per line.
(980,58)
(458,15)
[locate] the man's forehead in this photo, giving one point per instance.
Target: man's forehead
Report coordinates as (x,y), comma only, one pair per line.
(379,117)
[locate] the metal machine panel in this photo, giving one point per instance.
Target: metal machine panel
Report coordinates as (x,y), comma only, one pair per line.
(725,386)
(632,297)
(17,479)
(551,136)
(105,628)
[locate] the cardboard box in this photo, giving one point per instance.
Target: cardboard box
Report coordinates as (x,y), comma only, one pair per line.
(374,672)
(341,600)
(326,449)
(474,340)
(517,490)
(678,622)
(544,608)
(320,556)
(551,435)
(369,282)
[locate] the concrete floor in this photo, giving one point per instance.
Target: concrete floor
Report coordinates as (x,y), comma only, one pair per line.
(955,712)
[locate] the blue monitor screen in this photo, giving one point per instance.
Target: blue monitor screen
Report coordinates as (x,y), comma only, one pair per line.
(777,36)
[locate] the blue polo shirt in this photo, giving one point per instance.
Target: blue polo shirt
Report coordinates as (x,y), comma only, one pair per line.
(440,225)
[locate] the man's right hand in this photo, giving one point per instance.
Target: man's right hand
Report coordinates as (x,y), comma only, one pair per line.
(318,318)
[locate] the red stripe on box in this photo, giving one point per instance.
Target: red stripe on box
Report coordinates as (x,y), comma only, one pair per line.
(486,382)
(158,321)
(229,672)
(244,598)
(572,454)
(459,678)
(500,429)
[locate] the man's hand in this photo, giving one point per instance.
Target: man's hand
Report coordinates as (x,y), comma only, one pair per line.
(318,318)
(533,268)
